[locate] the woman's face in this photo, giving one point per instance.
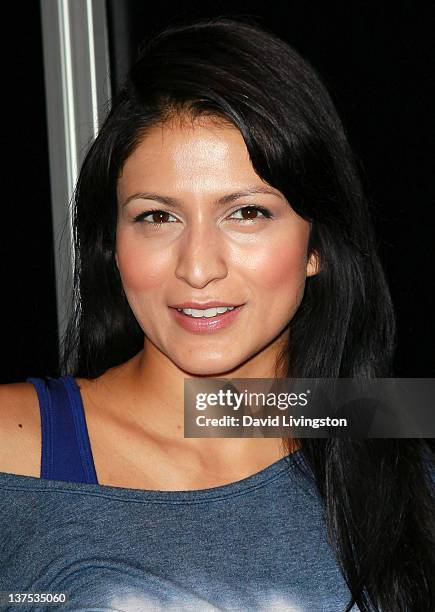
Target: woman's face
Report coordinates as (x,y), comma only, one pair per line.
(219,234)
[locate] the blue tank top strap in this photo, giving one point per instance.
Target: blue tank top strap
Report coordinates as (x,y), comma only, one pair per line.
(66,450)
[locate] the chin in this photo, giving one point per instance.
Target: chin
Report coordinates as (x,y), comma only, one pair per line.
(208,367)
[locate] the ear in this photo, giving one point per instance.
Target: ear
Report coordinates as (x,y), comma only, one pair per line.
(313,264)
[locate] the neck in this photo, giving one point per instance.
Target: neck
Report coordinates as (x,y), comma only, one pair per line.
(155,386)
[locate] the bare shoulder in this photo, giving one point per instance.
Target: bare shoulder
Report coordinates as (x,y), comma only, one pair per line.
(20,430)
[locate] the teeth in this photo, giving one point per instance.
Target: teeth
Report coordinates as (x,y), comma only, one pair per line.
(205,313)
(222,309)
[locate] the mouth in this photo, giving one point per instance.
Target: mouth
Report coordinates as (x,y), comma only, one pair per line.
(206,313)
(206,319)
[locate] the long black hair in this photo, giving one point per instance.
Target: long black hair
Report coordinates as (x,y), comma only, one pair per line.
(378,503)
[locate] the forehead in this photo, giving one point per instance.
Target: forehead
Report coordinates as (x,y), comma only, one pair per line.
(200,154)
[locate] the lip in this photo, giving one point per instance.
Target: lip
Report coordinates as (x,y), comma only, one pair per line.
(203,305)
(206,325)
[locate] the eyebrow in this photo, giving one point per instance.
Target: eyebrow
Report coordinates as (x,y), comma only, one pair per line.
(231,197)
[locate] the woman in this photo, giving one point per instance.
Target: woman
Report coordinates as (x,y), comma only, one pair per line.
(221,179)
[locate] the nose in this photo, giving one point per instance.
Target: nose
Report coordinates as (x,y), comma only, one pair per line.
(201,256)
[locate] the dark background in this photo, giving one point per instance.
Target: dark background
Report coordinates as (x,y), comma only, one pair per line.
(379,66)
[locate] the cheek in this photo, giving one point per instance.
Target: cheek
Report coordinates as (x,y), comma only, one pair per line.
(141,269)
(281,266)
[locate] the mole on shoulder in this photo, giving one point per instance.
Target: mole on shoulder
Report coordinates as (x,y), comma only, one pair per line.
(19,425)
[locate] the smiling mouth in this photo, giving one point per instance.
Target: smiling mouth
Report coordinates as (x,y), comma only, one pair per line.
(205,313)
(206,320)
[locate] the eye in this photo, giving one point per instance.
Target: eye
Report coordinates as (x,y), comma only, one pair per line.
(155,217)
(250,213)
(158,217)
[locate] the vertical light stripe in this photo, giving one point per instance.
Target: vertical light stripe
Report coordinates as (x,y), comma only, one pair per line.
(77,86)
(68,95)
(93,76)
(71,153)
